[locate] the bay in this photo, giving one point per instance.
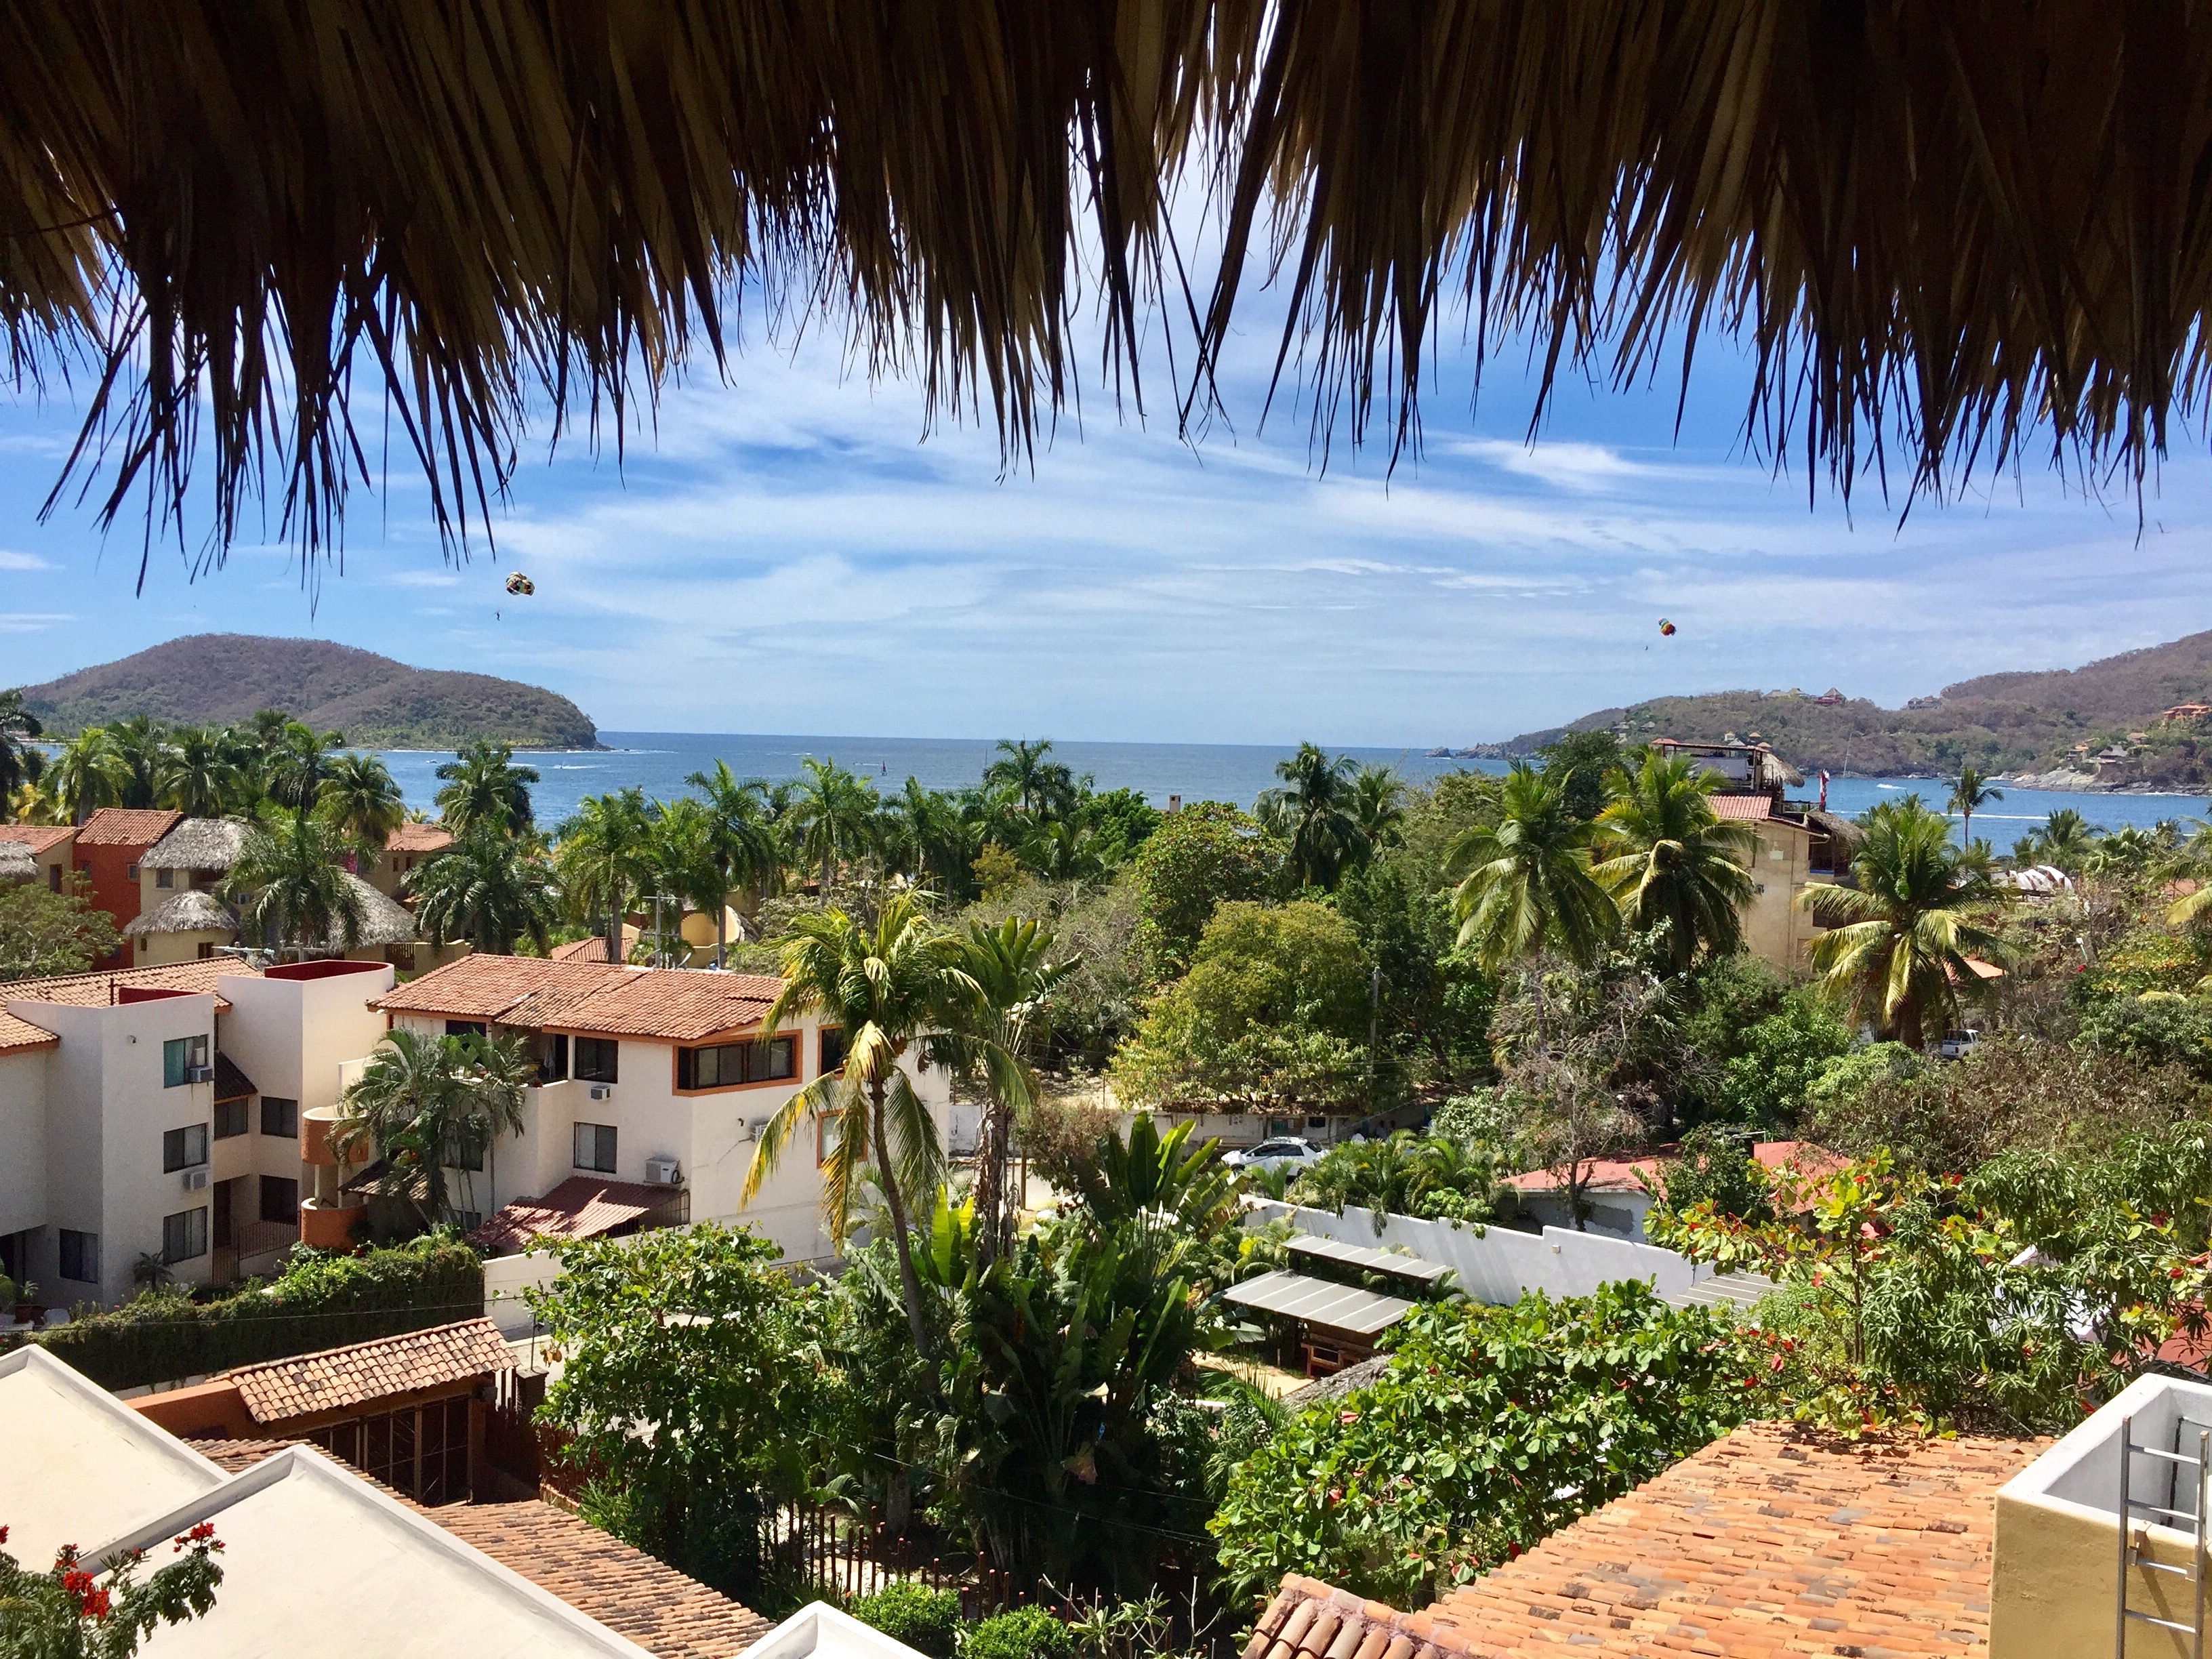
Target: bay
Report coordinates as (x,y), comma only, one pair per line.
(659,763)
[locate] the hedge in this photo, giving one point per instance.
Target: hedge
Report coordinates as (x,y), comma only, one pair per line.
(321,1300)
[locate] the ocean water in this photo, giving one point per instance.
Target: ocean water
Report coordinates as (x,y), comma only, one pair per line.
(658,761)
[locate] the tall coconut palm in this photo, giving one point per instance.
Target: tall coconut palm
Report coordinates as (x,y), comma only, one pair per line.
(889,985)
(290,887)
(427,1105)
(1673,859)
(141,746)
(1313,813)
(601,857)
(1525,880)
(1013,968)
(90,773)
(1899,939)
(2066,839)
(486,890)
(1041,787)
(743,840)
(681,863)
(1969,794)
(359,799)
(484,786)
(1377,807)
(201,774)
(18,726)
(833,817)
(293,768)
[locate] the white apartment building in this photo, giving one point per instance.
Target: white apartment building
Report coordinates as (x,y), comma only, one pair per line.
(154,1112)
(657,1078)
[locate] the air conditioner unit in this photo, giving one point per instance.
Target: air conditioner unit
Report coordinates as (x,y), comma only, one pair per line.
(663,1172)
(753,1128)
(602,1091)
(196,1181)
(199,1073)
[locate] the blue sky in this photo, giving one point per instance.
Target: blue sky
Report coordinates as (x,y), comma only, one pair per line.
(788,553)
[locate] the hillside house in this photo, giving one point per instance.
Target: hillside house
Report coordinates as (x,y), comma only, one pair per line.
(51,847)
(108,848)
(406,850)
(154,1112)
(658,1078)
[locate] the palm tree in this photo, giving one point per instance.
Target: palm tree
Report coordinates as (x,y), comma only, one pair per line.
(1676,862)
(200,774)
(90,773)
(833,817)
(430,1104)
(1968,796)
(290,887)
(1525,880)
(1313,813)
(1377,807)
(889,985)
(141,746)
(1012,965)
(293,768)
(485,889)
(681,863)
(1897,940)
(2065,839)
(18,725)
(601,857)
(484,786)
(360,800)
(1040,787)
(743,837)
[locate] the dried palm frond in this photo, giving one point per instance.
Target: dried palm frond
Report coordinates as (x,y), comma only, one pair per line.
(1941,224)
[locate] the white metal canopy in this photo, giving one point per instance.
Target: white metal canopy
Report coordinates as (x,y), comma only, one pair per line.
(1319,1302)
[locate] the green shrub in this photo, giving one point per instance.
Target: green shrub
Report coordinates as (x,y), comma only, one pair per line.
(926,1621)
(1023,1633)
(321,1299)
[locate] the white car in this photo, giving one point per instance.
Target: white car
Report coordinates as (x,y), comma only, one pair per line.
(1957,1045)
(1293,1151)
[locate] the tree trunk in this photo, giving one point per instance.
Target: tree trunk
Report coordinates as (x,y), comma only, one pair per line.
(909,1281)
(721,931)
(991,1182)
(614,925)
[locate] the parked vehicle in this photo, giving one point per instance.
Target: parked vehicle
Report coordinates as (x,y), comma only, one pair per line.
(1280,1152)
(1957,1045)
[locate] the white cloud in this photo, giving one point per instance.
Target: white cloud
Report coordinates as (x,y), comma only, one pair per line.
(32,621)
(12,561)
(422,579)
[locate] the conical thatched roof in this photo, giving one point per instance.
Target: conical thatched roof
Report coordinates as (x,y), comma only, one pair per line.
(198,844)
(383,920)
(1941,223)
(17,863)
(189,912)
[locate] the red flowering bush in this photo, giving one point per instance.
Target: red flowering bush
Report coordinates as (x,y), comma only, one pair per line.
(71,1612)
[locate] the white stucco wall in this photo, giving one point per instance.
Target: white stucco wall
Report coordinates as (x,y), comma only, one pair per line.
(24,1139)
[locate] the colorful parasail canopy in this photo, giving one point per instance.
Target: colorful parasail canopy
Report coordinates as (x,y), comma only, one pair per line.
(1666,628)
(518,583)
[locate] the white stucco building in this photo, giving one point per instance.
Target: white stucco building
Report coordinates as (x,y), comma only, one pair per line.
(156,1112)
(654,1078)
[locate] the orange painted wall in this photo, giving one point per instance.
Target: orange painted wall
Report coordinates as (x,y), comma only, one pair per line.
(207,1410)
(114,889)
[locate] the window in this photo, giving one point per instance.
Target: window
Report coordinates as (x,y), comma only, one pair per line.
(165,879)
(130,874)
(184,1148)
(185,1235)
(81,1257)
(730,1064)
(280,1118)
(829,1131)
(595,1059)
(553,1059)
(230,1119)
(53,879)
(280,1200)
(179,1058)
(474,1028)
(465,1151)
(833,1049)
(595,1147)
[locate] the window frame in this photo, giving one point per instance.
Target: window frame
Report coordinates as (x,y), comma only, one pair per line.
(165,877)
(177,1146)
(86,1248)
(285,1110)
(191,1235)
(609,1048)
(267,1186)
(824,1145)
(603,1135)
(749,1051)
(180,1057)
(242,1108)
(823,1065)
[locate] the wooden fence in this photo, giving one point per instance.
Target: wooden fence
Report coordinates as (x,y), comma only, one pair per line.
(850,1557)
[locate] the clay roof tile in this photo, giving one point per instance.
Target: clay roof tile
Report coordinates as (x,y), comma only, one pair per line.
(283,1389)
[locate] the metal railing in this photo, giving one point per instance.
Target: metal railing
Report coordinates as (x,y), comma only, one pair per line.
(2134,1555)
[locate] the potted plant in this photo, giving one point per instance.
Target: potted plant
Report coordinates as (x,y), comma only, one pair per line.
(26,1298)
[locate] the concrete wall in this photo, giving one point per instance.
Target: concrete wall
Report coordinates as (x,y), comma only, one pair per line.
(24,1139)
(1498,1264)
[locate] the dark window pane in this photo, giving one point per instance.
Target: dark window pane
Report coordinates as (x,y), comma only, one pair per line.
(280,1117)
(474,1028)
(184,1148)
(280,1200)
(553,1059)
(833,1049)
(231,1118)
(596,1059)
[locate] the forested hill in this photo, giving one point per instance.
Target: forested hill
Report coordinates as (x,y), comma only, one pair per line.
(1999,722)
(376,701)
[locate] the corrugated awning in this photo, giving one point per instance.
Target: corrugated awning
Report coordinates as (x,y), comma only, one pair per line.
(1737,1290)
(1319,1302)
(1394,1262)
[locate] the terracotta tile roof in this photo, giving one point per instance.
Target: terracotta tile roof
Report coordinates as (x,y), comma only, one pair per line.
(38,837)
(98,990)
(419,838)
(1640,1175)
(602,1577)
(1771,1542)
(19,1034)
(1746,808)
(336,1378)
(582,1206)
(591,948)
(672,1004)
(230,1083)
(120,826)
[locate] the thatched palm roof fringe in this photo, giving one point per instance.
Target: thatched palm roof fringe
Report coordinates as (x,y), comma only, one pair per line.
(193,911)
(1938,225)
(197,844)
